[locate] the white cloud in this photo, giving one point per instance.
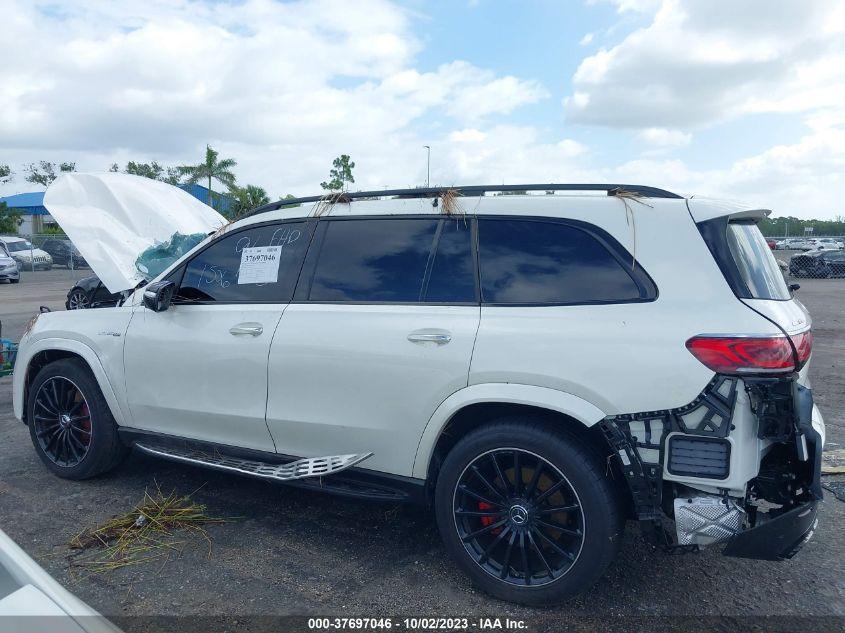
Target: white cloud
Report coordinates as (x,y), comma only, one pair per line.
(662,137)
(286,87)
(698,63)
(587,39)
(282,87)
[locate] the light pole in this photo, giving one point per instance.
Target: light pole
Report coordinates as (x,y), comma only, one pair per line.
(427,165)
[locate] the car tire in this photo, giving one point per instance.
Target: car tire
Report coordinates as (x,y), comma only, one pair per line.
(77,299)
(14,281)
(54,408)
(573,465)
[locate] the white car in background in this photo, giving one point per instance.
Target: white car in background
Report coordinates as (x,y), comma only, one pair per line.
(828,243)
(31,601)
(528,367)
(9,267)
(27,255)
(799,244)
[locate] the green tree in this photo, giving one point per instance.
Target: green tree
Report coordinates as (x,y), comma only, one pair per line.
(10,219)
(211,168)
(289,196)
(148,170)
(52,229)
(6,174)
(153,170)
(44,172)
(794,227)
(172,176)
(248,198)
(340,175)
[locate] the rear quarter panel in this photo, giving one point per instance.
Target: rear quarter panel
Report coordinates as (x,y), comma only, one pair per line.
(622,358)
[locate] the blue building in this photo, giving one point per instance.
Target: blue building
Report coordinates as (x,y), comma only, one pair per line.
(35,215)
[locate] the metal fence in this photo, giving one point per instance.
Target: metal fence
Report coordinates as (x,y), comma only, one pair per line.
(819,257)
(46,258)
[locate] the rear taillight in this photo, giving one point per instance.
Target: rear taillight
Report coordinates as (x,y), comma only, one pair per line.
(803,346)
(744,354)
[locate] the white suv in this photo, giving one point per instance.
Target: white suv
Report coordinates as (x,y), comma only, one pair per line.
(537,368)
(27,255)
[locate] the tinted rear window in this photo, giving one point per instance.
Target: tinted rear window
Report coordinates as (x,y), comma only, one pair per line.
(755,262)
(452,276)
(525,261)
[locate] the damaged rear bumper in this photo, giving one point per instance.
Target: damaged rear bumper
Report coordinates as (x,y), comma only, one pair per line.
(739,466)
(778,538)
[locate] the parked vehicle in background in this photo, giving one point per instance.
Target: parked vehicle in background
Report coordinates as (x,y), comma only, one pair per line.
(31,600)
(64,253)
(802,244)
(829,263)
(9,268)
(771,244)
(90,292)
(503,360)
(828,243)
(30,257)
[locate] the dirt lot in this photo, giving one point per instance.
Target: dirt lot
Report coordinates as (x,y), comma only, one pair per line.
(294,552)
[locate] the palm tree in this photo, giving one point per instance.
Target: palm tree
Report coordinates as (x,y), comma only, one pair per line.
(248,198)
(220,170)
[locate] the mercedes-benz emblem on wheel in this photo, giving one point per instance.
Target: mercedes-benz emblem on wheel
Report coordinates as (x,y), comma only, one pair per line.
(519,515)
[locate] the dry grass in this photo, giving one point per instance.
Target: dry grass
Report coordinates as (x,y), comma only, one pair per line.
(327,202)
(449,202)
(158,527)
(625,196)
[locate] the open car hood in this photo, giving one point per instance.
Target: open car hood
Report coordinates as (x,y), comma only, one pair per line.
(112,218)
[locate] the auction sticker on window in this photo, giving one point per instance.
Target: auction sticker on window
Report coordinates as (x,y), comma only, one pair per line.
(260,265)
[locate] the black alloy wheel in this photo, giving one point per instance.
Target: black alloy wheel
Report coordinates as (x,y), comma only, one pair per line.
(62,421)
(518,517)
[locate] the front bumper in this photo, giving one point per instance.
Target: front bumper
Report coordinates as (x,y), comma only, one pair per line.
(778,538)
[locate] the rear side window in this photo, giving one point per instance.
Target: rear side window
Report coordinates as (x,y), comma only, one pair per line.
(394,260)
(256,265)
(755,262)
(452,272)
(536,262)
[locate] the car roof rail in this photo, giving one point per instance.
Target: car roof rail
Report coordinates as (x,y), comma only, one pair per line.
(471,190)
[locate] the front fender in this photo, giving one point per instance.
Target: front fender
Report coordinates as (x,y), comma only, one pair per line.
(27,352)
(543,397)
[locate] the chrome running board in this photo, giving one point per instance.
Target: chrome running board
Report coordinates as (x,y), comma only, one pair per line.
(299,469)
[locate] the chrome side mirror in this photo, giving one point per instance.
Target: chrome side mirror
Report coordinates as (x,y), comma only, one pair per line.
(157,295)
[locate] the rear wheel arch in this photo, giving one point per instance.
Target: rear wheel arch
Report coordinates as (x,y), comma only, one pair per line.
(480,414)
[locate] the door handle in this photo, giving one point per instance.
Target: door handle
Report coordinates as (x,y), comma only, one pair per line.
(246,329)
(438,337)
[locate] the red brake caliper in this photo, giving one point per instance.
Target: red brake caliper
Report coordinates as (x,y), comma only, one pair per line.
(485,521)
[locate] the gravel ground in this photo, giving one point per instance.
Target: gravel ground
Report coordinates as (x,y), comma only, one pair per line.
(291,552)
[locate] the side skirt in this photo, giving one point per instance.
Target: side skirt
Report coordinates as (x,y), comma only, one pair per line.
(357,483)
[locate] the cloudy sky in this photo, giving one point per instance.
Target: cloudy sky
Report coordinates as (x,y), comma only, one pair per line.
(738,99)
